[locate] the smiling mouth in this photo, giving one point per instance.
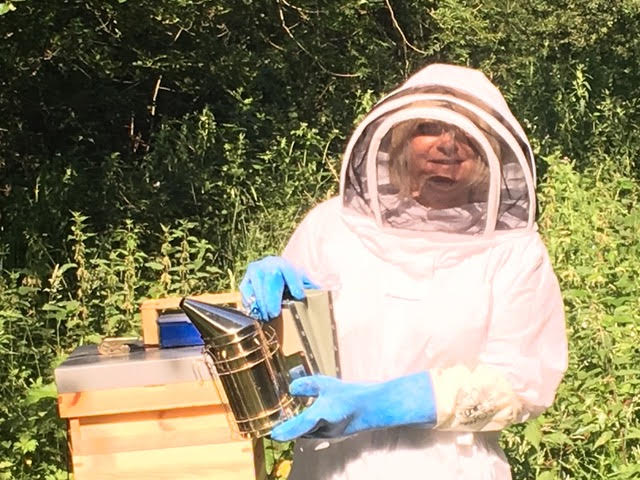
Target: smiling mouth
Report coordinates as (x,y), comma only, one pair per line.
(441,181)
(446,161)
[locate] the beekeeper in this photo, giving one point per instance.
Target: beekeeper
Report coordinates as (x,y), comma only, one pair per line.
(449,317)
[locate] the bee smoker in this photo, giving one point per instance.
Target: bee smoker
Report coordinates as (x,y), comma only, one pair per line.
(247,359)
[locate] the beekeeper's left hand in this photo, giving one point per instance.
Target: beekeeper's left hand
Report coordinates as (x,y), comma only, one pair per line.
(342,408)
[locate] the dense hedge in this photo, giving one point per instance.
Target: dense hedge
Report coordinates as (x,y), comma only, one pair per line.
(154,147)
(154,110)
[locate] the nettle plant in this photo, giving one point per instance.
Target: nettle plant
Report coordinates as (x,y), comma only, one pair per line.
(590,221)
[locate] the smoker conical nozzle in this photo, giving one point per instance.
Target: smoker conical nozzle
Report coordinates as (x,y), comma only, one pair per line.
(213,321)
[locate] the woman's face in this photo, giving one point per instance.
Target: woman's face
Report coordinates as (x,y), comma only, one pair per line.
(442,166)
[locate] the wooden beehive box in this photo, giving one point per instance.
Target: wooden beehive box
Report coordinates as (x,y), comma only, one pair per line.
(151,413)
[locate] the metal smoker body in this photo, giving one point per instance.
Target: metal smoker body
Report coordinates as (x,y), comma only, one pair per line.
(246,357)
(309,335)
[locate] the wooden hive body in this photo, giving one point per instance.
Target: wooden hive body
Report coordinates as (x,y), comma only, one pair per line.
(152,413)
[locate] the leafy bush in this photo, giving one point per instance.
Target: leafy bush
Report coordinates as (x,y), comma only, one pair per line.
(151,148)
(590,222)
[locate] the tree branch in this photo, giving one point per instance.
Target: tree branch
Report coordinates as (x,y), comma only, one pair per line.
(397,27)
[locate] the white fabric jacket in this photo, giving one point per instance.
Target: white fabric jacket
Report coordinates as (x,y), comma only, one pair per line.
(482,313)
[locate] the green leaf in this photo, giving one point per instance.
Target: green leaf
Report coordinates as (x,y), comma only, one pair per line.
(548,475)
(604,438)
(66,267)
(533,434)
(27,290)
(70,305)
(26,444)
(269,460)
(52,307)
(556,438)
(6,8)
(39,391)
(632,434)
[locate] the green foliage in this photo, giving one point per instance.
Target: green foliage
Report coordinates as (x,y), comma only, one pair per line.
(154,148)
(590,223)
(41,321)
(95,94)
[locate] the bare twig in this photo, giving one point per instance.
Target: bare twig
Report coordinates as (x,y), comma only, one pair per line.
(397,27)
(104,25)
(277,47)
(325,89)
(177,35)
(48,54)
(326,160)
(302,47)
(135,138)
(152,109)
(224,30)
(300,11)
(82,70)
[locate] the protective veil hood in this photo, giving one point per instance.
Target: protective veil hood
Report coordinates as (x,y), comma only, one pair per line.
(501,195)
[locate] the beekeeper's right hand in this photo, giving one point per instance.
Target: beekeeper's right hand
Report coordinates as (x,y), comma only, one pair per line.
(264,284)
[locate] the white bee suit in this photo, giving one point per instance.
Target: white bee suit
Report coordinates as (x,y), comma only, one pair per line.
(467,293)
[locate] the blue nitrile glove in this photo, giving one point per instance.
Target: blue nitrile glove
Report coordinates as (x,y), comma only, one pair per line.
(264,282)
(343,408)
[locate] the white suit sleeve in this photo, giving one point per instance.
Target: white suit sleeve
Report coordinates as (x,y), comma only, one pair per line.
(525,355)
(307,246)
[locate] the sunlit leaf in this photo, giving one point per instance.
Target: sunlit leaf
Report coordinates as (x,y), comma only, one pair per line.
(533,434)
(6,7)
